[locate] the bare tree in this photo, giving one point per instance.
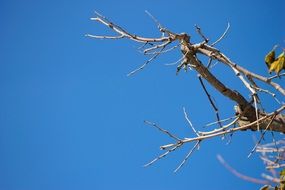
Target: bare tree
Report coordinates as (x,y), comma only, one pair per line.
(248,114)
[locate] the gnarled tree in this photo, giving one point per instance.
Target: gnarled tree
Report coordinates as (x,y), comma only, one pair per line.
(248,114)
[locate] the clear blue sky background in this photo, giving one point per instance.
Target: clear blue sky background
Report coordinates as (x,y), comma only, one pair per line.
(71,119)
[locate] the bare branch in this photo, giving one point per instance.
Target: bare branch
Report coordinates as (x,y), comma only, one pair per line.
(262,135)
(146,63)
(270,178)
(160,27)
(222,120)
(238,174)
(189,122)
(163,45)
(211,101)
(215,54)
(222,36)
(123,32)
(249,113)
(162,130)
(219,133)
(269,150)
(165,51)
(275,166)
(209,63)
(199,31)
(253,92)
(176,62)
(268,92)
(256,109)
(163,155)
(105,37)
(219,129)
(276,76)
(187,156)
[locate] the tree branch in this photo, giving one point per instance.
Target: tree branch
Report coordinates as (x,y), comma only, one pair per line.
(247,116)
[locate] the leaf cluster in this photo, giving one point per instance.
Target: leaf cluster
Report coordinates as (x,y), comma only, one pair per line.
(275,64)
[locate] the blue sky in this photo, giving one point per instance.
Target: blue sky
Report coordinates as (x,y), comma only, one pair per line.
(70,118)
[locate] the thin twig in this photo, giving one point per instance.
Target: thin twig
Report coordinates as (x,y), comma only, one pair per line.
(274,141)
(105,37)
(220,133)
(222,120)
(146,63)
(276,76)
(256,109)
(275,166)
(230,138)
(162,130)
(220,129)
(199,31)
(269,150)
(165,51)
(163,155)
(238,174)
(146,43)
(268,162)
(222,36)
(270,178)
(280,142)
(268,92)
(262,135)
(213,65)
(253,92)
(123,32)
(163,45)
(209,63)
(160,27)
(179,60)
(189,122)
(155,20)
(187,156)
(211,101)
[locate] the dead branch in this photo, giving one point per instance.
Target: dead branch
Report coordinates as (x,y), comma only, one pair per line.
(211,101)
(163,130)
(222,36)
(187,156)
(240,175)
(262,135)
(189,122)
(216,133)
(247,113)
(217,55)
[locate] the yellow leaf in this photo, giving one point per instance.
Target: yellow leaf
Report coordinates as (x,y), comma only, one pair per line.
(278,64)
(270,57)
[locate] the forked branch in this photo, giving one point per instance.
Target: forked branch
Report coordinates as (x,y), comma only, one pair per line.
(247,115)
